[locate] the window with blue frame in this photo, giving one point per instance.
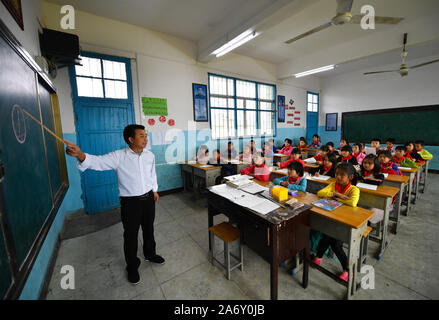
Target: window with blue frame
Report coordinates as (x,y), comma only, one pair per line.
(100,78)
(312,100)
(241,108)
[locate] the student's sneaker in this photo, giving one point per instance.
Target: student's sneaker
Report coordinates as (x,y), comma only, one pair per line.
(156,259)
(344,276)
(317,261)
(134,277)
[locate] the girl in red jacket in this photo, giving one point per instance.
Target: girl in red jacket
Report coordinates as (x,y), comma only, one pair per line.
(259,170)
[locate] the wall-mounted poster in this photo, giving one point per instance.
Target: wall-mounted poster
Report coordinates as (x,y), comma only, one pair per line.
(331,121)
(280,108)
(14,8)
(154,106)
(199,95)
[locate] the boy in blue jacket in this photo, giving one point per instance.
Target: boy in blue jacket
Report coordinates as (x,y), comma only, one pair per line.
(294,180)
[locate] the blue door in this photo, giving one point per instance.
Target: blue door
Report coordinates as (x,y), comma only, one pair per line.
(312,115)
(103,106)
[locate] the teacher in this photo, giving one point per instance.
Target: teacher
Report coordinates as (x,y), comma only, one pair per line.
(136,176)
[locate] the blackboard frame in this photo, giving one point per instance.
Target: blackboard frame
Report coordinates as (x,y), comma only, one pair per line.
(21,273)
(424,108)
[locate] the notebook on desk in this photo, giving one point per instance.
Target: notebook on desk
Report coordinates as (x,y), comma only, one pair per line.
(327,204)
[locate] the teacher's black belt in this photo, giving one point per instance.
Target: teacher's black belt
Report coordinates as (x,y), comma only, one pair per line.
(142,197)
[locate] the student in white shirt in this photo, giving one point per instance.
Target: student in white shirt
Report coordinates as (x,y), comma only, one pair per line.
(136,176)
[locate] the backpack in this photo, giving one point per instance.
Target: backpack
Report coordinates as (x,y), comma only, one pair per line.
(409,163)
(426,155)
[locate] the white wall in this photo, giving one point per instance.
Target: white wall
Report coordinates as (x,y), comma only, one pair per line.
(167,67)
(32,12)
(355,92)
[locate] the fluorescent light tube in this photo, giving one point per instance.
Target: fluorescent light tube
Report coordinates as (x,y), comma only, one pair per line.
(306,73)
(235,42)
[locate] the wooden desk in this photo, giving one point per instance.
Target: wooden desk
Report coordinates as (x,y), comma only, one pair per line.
(239,164)
(274,240)
(380,199)
(278,157)
(346,224)
(411,174)
(313,152)
(399,182)
(311,165)
(197,173)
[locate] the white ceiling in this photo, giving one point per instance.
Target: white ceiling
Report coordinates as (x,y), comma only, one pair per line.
(188,19)
(210,23)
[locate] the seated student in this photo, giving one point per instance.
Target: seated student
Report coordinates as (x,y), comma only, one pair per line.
(411,153)
(259,170)
(399,155)
(390,145)
(252,146)
(315,142)
(203,155)
(363,147)
(294,180)
(216,157)
(356,152)
(295,156)
(330,145)
(324,150)
(343,142)
(371,171)
(272,146)
(287,148)
(246,156)
(303,147)
(376,143)
(268,151)
(342,190)
(327,168)
(387,165)
(419,147)
(346,156)
(230,153)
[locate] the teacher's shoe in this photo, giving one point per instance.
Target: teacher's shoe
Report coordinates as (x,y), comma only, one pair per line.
(156,259)
(134,277)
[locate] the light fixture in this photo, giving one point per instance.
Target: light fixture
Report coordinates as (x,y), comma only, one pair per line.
(235,43)
(306,73)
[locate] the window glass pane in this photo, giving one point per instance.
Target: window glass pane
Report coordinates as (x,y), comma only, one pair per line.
(250,123)
(240,103)
(315,108)
(231,103)
(91,67)
(231,123)
(240,122)
(114,70)
(265,105)
(218,85)
(250,104)
(116,89)
(88,87)
(314,98)
(245,89)
(265,92)
(220,124)
(218,102)
(309,107)
(266,120)
(230,87)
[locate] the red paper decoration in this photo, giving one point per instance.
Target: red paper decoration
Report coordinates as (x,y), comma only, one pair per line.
(171,122)
(297,124)
(290,114)
(293,108)
(296,111)
(151,122)
(290,122)
(162,119)
(296,118)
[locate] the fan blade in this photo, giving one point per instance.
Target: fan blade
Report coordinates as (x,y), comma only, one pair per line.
(356,19)
(303,35)
(380,72)
(344,6)
(424,64)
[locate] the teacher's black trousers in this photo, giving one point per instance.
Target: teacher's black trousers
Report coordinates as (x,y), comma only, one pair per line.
(138,212)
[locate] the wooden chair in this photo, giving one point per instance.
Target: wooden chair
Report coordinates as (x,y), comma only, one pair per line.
(228,233)
(363,248)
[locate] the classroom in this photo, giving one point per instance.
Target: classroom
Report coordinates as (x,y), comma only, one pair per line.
(219,150)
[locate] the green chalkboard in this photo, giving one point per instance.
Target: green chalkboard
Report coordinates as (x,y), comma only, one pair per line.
(34,180)
(402,124)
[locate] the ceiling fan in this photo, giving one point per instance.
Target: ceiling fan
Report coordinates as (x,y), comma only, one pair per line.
(404,69)
(344,16)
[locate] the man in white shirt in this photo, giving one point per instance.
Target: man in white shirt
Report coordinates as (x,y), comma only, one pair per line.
(136,176)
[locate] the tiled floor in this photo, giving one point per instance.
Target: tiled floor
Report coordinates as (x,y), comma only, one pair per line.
(408,270)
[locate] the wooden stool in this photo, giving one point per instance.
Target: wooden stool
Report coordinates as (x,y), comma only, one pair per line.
(228,233)
(363,248)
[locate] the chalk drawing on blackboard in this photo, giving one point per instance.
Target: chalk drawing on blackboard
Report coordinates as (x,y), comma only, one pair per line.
(18,123)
